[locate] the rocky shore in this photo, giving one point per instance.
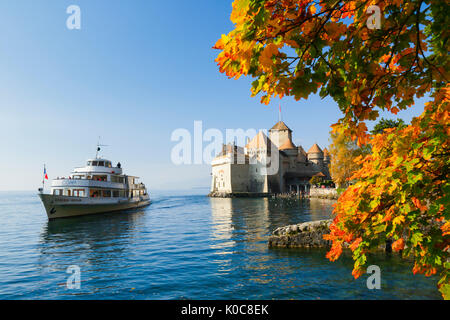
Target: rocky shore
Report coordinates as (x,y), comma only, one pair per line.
(302,235)
(306,235)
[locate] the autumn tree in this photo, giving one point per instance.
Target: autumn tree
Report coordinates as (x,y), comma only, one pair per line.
(343,152)
(315,180)
(342,50)
(387,124)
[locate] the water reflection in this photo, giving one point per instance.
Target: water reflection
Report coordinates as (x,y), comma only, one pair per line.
(240,228)
(182,247)
(88,240)
(258,217)
(222,225)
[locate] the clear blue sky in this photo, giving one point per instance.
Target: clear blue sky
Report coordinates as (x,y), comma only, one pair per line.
(136,71)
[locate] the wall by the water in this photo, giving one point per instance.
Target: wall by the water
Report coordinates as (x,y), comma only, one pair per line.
(326,193)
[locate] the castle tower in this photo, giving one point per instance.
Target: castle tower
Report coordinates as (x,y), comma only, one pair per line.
(302,156)
(315,155)
(326,156)
(289,148)
(280,134)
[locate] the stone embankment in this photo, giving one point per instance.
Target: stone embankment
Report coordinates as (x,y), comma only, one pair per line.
(323,193)
(238,195)
(306,235)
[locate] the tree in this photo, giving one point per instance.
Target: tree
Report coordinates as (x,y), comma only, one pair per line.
(386,124)
(315,180)
(298,47)
(401,194)
(344,151)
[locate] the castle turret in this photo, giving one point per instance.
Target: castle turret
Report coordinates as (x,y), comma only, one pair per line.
(326,156)
(315,154)
(302,156)
(280,134)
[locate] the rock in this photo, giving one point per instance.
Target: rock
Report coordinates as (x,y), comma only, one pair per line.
(307,235)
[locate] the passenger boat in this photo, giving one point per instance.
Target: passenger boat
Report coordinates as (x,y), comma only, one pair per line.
(97,187)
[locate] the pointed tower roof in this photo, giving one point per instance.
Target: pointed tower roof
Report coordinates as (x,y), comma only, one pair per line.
(315,149)
(280,125)
(326,153)
(287,145)
(301,150)
(259,141)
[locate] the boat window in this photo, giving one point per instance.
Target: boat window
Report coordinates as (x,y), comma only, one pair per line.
(106,193)
(117,179)
(58,192)
(89,163)
(101,163)
(108,164)
(100,178)
(95,163)
(94,193)
(115,193)
(78,192)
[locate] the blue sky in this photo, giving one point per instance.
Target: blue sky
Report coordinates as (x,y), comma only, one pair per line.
(135,72)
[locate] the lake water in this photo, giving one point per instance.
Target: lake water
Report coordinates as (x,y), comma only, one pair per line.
(183,246)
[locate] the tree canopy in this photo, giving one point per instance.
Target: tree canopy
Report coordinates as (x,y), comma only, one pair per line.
(301,47)
(386,124)
(343,152)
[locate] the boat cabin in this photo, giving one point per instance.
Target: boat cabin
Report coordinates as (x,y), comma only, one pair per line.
(98,179)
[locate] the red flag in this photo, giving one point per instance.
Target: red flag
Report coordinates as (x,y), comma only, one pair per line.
(45,174)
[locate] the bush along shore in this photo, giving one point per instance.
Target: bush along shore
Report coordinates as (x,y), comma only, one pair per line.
(306,235)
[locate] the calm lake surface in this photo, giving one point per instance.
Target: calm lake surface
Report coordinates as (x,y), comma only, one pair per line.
(183,246)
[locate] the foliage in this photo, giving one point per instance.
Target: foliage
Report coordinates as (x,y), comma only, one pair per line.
(343,151)
(299,47)
(315,180)
(328,183)
(402,194)
(386,124)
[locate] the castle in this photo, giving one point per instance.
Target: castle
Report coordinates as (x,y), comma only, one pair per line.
(244,171)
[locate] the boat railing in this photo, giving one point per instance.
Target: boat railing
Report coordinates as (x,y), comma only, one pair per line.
(70,178)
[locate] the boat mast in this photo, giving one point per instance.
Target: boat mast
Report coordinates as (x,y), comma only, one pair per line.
(43,179)
(98,147)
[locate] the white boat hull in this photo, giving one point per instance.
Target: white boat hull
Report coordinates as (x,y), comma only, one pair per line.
(65,206)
